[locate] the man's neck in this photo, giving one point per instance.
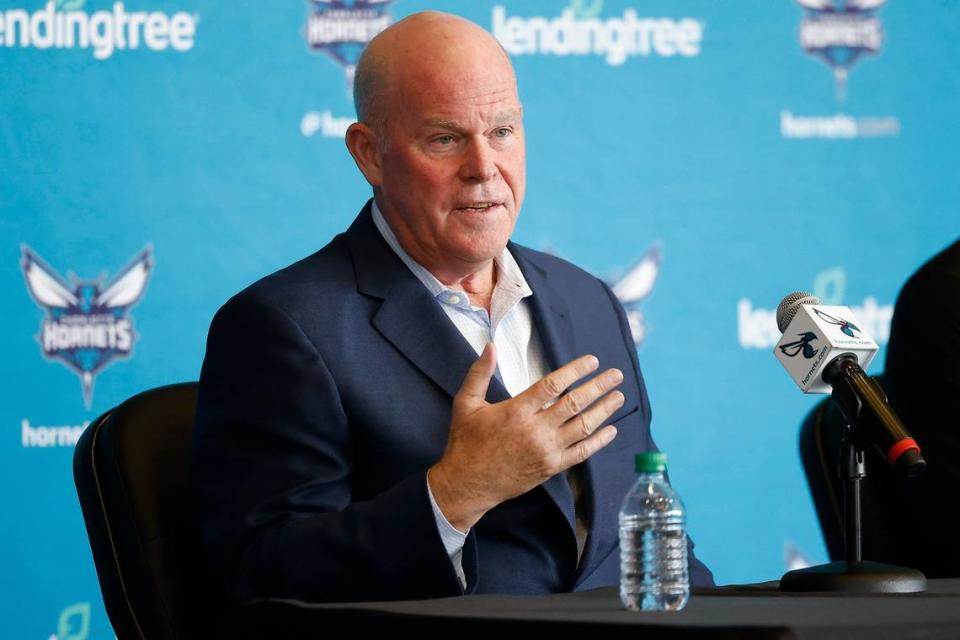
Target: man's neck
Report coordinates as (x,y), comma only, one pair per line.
(476,280)
(478,285)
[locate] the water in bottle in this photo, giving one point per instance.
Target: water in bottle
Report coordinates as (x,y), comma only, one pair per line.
(653,545)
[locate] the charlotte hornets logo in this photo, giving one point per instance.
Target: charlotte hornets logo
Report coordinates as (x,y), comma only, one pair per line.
(846,326)
(793,349)
(87,324)
(341,29)
(635,287)
(840,32)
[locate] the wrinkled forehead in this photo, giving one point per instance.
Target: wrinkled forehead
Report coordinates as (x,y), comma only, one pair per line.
(439,89)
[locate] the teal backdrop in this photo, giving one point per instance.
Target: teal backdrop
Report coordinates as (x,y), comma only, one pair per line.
(705,157)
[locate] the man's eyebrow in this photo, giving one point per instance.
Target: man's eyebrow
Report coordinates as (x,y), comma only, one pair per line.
(443,123)
(509,116)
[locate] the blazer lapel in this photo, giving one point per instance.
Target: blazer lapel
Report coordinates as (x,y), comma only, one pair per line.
(409,317)
(550,314)
(552,320)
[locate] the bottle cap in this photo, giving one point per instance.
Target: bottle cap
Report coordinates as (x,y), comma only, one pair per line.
(650,461)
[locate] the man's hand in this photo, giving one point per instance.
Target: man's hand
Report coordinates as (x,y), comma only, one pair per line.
(498,451)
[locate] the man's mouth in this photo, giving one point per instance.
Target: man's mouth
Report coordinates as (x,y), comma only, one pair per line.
(478,206)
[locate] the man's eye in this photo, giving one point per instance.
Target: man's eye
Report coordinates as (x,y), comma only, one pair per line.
(503,132)
(443,140)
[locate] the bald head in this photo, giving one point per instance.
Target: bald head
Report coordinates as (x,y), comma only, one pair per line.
(440,139)
(430,47)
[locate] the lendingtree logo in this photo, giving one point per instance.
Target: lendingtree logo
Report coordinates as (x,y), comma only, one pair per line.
(581,30)
(64,24)
(74,623)
(757,326)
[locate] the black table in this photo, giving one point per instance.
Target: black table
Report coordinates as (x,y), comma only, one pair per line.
(752,611)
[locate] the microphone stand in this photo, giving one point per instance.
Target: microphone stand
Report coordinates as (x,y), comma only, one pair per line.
(856,395)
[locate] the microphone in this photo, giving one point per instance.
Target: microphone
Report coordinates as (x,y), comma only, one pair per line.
(825,351)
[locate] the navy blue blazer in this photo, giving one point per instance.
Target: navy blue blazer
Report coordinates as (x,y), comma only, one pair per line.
(325,396)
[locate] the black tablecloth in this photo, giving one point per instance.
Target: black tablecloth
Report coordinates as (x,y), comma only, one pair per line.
(752,611)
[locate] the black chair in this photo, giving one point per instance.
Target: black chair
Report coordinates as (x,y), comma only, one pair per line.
(132,470)
(880,491)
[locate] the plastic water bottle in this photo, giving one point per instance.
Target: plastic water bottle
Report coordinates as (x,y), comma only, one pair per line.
(653,544)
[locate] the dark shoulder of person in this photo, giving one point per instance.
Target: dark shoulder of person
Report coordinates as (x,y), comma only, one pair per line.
(922,379)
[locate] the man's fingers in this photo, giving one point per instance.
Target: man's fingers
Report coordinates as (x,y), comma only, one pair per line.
(552,385)
(477,380)
(577,453)
(577,400)
(583,424)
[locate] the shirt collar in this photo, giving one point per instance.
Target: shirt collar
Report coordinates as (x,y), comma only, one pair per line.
(510,280)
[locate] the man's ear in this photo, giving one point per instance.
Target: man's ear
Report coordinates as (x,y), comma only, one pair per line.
(363,145)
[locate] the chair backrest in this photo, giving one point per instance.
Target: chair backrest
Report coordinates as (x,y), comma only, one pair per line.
(132,470)
(880,491)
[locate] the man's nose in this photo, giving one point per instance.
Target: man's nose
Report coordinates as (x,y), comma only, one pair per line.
(479,162)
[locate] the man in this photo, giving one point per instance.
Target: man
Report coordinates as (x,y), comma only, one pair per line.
(350,443)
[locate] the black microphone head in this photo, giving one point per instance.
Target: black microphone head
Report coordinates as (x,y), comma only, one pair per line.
(790,305)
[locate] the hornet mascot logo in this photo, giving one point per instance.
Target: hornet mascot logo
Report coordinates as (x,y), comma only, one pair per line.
(802,345)
(840,32)
(87,324)
(846,326)
(341,29)
(633,288)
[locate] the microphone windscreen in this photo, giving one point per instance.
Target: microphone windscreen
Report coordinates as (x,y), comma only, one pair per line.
(789,306)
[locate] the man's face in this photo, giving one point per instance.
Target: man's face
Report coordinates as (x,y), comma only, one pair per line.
(453,163)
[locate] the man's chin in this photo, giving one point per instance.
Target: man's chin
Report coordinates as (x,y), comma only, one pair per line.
(482,251)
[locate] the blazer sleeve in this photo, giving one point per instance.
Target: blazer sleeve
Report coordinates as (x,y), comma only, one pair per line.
(273,467)
(700,575)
